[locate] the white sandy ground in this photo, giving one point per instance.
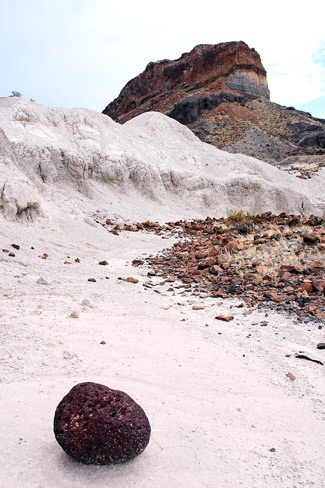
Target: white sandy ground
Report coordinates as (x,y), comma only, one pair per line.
(217,396)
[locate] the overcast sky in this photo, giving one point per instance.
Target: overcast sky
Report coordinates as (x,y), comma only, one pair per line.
(80,53)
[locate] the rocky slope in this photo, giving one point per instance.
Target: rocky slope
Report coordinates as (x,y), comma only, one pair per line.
(221,93)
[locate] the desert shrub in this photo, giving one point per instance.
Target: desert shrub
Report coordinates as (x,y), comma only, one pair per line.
(15,93)
(240,221)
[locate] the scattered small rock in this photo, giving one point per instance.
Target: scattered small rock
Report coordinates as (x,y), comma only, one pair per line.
(272,449)
(15,246)
(225,318)
(291,376)
(92,280)
(197,307)
(321,345)
(12,254)
(103,263)
(248,312)
(310,238)
(131,280)
(42,281)
(102,342)
(74,315)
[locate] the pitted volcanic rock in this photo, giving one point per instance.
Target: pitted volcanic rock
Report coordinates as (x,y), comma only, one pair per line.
(97,425)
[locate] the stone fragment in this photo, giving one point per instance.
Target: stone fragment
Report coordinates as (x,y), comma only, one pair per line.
(320,314)
(42,281)
(225,318)
(319,284)
(197,307)
(218,294)
(288,288)
(74,315)
(12,254)
(5,250)
(103,263)
(307,287)
(206,263)
(296,268)
(321,345)
(97,425)
(92,280)
(131,280)
(15,246)
(215,269)
(291,376)
(248,312)
(102,342)
(310,238)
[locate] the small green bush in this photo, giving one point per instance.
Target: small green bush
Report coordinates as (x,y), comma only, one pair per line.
(238,220)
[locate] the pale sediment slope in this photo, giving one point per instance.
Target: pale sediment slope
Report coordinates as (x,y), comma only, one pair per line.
(151,158)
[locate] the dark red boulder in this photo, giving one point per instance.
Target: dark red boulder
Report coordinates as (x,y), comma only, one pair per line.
(97,425)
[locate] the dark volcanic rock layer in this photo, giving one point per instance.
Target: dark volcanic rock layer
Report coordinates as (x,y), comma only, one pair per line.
(97,425)
(221,93)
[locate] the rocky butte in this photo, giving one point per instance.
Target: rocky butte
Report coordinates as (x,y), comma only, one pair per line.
(221,93)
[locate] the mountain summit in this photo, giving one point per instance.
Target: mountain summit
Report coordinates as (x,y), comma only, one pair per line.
(230,69)
(221,93)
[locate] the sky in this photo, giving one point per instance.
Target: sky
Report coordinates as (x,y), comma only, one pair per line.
(80,53)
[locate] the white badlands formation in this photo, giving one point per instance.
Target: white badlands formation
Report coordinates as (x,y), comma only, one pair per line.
(216,394)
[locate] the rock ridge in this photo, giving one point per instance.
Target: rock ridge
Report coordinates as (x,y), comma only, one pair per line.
(231,66)
(221,93)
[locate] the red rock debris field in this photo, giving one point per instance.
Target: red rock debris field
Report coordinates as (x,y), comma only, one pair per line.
(264,260)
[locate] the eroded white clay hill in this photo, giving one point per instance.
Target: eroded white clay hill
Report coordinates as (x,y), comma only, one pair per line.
(79,161)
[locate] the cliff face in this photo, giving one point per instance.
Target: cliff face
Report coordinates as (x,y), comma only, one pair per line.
(230,67)
(221,93)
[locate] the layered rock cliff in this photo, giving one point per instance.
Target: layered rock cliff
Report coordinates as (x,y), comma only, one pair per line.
(231,69)
(221,93)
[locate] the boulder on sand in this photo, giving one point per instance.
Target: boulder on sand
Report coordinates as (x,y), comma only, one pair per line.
(97,425)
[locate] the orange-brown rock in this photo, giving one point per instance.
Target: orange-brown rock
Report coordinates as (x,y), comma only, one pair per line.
(225,318)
